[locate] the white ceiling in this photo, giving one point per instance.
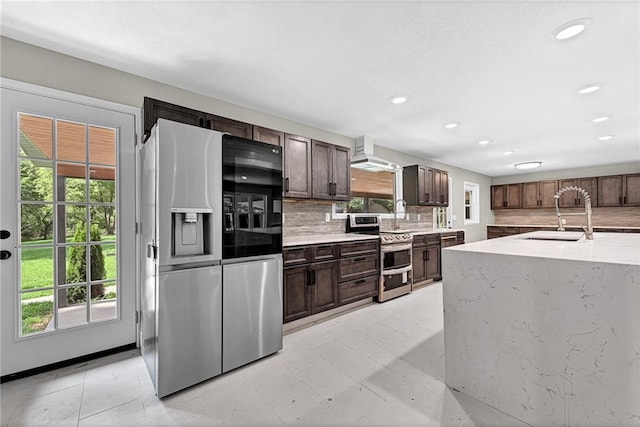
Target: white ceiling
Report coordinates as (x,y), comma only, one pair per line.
(493,66)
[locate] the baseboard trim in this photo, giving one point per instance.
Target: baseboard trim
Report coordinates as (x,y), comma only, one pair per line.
(65,363)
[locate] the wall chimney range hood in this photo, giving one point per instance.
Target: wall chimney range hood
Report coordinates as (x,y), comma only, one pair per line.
(364,158)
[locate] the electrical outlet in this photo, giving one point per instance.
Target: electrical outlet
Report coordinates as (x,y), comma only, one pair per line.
(564,221)
(418,217)
(283,217)
(327,216)
(407,216)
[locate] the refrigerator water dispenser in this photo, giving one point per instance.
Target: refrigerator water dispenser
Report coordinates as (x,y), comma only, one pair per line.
(189,231)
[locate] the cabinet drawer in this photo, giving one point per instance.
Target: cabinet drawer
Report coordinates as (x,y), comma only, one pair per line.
(357,267)
(433,239)
(358,248)
(358,289)
(420,240)
(323,252)
(296,255)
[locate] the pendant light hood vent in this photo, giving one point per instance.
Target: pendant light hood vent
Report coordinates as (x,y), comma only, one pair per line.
(364,158)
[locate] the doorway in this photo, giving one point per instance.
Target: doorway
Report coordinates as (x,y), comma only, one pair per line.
(68,215)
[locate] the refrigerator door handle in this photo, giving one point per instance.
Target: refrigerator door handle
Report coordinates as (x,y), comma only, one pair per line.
(152,251)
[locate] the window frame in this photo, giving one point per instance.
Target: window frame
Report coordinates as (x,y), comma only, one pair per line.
(474,203)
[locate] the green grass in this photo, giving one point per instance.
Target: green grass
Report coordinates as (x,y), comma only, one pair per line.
(36,316)
(37,266)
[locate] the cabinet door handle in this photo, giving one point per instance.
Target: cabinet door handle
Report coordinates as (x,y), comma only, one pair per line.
(361,281)
(425,256)
(624,200)
(313,275)
(286,185)
(201,123)
(209,124)
(329,189)
(335,188)
(360,259)
(620,200)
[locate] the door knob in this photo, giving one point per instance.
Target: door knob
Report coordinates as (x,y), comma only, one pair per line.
(5,254)
(4,234)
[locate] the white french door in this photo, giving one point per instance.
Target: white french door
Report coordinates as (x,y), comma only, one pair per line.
(67,214)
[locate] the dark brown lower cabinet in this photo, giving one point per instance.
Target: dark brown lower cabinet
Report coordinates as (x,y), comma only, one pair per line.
(426,259)
(310,289)
(495,231)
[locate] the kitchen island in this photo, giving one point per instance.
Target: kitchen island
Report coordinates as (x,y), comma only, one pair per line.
(547,331)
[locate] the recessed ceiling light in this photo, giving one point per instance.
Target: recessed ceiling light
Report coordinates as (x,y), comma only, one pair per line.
(484,142)
(528,165)
(401,99)
(606,137)
(508,153)
(571,29)
(451,125)
(600,119)
(588,89)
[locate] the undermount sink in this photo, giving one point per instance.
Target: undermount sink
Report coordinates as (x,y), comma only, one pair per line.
(562,236)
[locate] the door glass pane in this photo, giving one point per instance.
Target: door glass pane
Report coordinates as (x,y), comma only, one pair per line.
(103,219)
(36,180)
(102,145)
(72,308)
(36,312)
(102,184)
(103,301)
(36,223)
(72,264)
(72,182)
(61,201)
(36,267)
(36,136)
(74,217)
(70,141)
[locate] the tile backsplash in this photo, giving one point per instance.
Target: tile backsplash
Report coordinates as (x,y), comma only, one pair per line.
(305,217)
(615,217)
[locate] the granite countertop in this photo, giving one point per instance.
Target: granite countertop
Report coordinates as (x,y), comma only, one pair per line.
(566,226)
(314,239)
(614,248)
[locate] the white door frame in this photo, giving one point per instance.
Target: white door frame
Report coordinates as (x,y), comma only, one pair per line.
(12,366)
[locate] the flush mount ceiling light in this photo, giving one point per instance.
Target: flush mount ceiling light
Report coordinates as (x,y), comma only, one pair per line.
(400,99)
(484,142)
(588,89)
(451,125)
(606,137)
(528,165)
(571,29)
(600,119)
(508,153)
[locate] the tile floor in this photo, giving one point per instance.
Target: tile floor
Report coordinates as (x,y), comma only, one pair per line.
(380,365)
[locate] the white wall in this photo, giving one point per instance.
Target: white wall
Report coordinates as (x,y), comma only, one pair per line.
(43,67)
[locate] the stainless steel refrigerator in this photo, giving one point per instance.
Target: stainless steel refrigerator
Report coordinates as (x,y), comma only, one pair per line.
(200,317)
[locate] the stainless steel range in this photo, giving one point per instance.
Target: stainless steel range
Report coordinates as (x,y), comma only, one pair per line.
(395,256)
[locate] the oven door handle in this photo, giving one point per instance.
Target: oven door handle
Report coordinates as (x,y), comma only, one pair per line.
(395,271)
(395,247)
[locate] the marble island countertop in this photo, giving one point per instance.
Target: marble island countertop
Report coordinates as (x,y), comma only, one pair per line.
(615,248)
(315,239)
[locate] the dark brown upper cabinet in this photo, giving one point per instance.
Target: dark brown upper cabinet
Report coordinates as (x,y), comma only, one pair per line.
(506,196)
(232,127)
(153,109)
(575,199)
(425,186)
(297,166)
(619,190)
(441,187)
(331,170)
(268,136)
(539,194)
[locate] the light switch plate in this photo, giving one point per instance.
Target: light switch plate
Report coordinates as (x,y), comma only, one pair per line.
(327,216)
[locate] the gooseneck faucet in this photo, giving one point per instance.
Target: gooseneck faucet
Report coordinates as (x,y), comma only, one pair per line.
(395,212)
(588,230)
